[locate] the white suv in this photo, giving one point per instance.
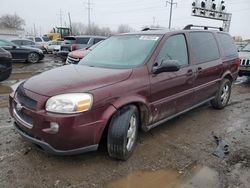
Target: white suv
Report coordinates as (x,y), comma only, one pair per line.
(245,61)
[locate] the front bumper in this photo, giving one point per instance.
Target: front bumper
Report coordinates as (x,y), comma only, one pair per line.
(77,133)
(49,149)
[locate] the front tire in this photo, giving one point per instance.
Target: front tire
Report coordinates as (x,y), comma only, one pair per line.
(223,95)
(122,133)
(33,57)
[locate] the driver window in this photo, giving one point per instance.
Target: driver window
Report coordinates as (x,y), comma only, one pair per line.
(175,48)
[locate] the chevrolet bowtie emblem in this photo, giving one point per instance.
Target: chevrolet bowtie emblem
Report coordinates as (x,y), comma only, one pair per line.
(19,107)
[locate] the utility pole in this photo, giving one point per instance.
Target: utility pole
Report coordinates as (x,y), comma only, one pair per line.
(171,10)
(61,17)
(153,21)
(89,13)
(70,23)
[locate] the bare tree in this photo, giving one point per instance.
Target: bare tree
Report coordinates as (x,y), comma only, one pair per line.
(78,28)
(123,28)
(11,21)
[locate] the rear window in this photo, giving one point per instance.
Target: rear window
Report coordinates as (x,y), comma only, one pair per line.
(82,40)
(227,45)
(204,47)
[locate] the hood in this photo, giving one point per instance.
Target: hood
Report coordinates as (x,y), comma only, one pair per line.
(79,54)
(74,78)
(244,55)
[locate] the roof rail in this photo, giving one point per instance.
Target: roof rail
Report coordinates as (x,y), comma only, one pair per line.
(152,28)
(188,27)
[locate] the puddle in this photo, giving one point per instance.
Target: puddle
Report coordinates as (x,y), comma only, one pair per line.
(5,89)
(18,76)
(197,176)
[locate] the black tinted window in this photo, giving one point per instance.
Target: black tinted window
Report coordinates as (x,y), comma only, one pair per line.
(96,40)
(227,45)
(28,43)
(38,39)
(204,47)
(18,42)
(5,43)
(82,40)
(175,48)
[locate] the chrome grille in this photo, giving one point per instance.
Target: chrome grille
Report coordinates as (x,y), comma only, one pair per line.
(25,100)
(23,117)
(245,62)
(71,60)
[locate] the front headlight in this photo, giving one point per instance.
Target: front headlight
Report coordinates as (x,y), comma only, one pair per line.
(70,103)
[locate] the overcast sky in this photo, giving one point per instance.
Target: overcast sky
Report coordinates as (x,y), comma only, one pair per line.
(45,14)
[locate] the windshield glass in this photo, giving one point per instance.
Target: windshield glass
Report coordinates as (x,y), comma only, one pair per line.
(246,48)
(125,51)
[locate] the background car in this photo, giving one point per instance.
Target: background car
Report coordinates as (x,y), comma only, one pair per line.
(22,53)
(26,42)
(75,57)
(53,45)
(5,64)
(245,61)
(40,41)
(78,42)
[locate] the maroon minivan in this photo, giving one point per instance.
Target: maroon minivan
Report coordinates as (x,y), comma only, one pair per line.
(129,81)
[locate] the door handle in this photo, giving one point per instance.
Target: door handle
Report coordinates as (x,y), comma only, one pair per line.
(199,69)
(189,72)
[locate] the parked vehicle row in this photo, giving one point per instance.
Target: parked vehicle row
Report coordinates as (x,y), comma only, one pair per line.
(76,56)
(22,53)
(128,82)
(5,64)
(78,42)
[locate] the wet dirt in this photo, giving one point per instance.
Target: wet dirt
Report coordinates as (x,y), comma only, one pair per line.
(198,176)
(177,153)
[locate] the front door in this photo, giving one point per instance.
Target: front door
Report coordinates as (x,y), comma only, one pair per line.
(172,92)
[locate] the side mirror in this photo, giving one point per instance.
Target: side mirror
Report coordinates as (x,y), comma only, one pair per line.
(14,47)
(167,66)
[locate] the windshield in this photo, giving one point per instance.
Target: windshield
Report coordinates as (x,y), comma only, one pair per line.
(125,51)
(246,48)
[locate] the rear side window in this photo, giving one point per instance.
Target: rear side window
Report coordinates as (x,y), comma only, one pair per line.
(38,39)
(26,42)
(204,47)
(96,40)
(82,40)
(18,42)
(175,48)
(227,45)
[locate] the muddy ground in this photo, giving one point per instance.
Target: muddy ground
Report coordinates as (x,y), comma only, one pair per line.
(178,153)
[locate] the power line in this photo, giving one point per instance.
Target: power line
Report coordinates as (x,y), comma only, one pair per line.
(171,9)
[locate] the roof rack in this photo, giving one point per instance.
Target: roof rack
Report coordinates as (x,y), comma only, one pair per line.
(188,27)
(152,28)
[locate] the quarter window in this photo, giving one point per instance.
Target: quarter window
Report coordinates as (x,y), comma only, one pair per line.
(204,47)
(175,48)
(227,45)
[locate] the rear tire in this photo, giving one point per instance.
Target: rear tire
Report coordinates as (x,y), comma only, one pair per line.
(33,57)
(223,95)
(122,133)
